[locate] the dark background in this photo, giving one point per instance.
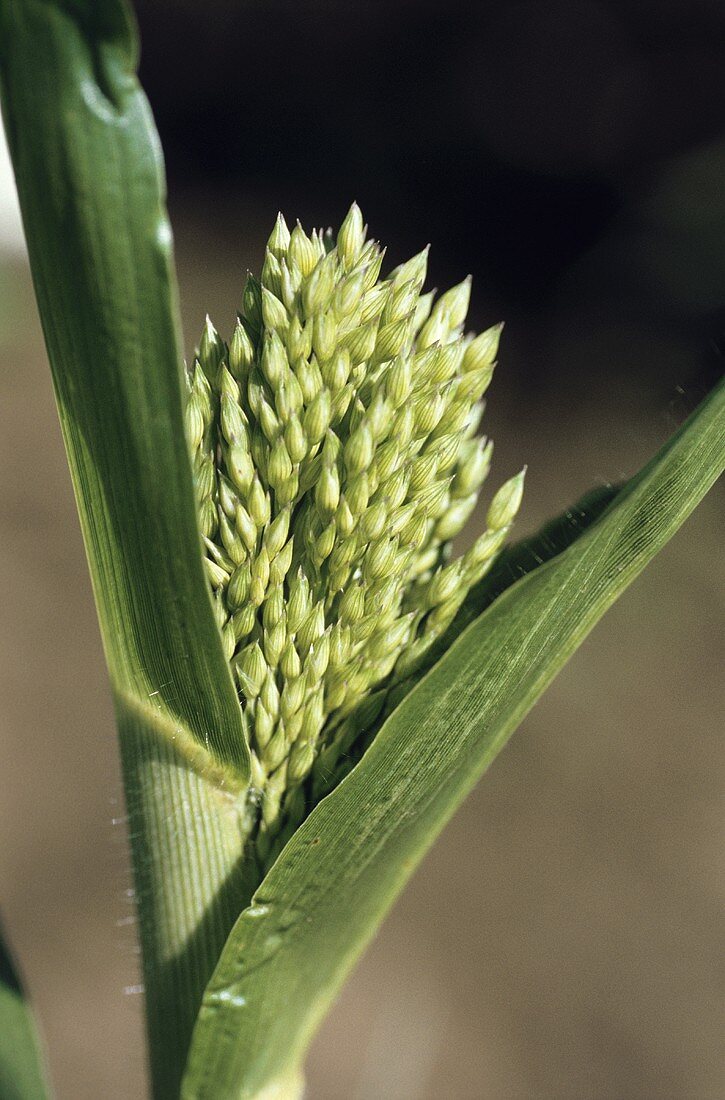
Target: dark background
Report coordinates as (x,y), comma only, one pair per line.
(553,149)
(561,939)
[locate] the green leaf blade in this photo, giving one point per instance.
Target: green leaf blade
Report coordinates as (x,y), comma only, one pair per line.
(91,187)
(22,1074)
(324,897)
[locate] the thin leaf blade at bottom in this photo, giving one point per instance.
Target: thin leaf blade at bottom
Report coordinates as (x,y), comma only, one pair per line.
(327,892)
(22,1075)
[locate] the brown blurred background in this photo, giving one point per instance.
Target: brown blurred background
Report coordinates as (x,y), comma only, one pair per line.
(562,938)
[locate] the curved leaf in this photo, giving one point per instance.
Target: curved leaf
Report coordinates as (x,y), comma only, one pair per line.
(22,1076)
(325,895)
(90,180)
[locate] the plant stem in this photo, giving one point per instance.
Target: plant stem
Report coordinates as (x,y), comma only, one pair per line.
(192,880)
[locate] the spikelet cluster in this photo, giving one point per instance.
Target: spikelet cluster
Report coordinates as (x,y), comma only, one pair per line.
(335,457)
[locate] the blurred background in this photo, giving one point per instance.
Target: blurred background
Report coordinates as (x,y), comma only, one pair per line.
(562,938)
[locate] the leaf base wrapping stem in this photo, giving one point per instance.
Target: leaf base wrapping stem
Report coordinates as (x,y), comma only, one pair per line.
(192,879)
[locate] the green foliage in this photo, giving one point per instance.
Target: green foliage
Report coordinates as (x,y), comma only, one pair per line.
(22,1076)
(243,993)
(90,182)
(331,885)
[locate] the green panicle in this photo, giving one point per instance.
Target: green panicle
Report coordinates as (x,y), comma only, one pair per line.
(335,458)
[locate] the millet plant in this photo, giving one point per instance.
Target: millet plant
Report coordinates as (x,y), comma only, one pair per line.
(307,679)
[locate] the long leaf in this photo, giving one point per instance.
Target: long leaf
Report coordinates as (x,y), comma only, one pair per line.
(22,1075)
(331,885)
(90,181)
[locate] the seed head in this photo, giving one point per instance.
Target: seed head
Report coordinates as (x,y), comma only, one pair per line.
(334,459)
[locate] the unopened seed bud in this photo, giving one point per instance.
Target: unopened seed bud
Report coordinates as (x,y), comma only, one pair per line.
(324,335)
(229,641)
(273,312)
(484,548)
(422,310)
(359,450)
(324,544)
(392,339)
(317,417)
(233,424)
(455,518)
(263,728)
(194,424)
(239,466)
(505,504)
(348,295)
(474,384)
(301,252)
(401,301)
(374,299)
(423,471)
(379,558)
(473,470)
(299,340)
(293,696)
(445,583)
(251,669)
(372,523)
(279,467)
(280,565)
(361,342)
(391,640)
(244,621)
(274,643)
(260,578)
(252,302)
(273,609)
(352,604)
(258,503)
(327,491)
(218,576)
(428,412)
(211,351)
(272,273)
(301,760)
(270,424)
(413,270)
(238,589)
(481,352)
(455,302)
(312,628)
(279,240)
(399,381)
(350,237)
(318,658)
(317,290)
(289,663)
(274,360)
(299,601)
(295,439)
(228,496)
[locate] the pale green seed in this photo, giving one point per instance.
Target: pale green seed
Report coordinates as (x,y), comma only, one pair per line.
(505,504)
(274,314)
(350,237)
(481,351)
(251,669)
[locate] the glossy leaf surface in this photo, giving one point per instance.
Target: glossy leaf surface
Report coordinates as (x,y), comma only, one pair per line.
(334,881)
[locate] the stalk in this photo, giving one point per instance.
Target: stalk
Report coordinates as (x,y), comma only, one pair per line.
(192,880)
